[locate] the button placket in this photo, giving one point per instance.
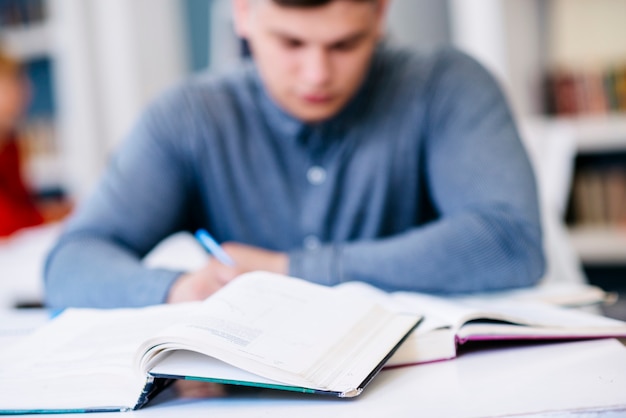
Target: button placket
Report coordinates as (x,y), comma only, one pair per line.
(317,177)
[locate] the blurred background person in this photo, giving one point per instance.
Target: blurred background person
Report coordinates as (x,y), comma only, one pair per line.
(17,206)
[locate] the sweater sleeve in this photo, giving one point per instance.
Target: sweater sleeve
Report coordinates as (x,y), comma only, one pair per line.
(141,199)
(486,234)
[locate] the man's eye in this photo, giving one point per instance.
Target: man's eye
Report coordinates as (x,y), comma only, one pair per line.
(292,43)
(345,46)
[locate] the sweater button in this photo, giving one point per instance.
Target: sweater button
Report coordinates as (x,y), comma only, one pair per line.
(316,175)
(311,242)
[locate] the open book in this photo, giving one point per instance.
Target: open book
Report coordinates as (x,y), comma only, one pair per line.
(260,330)
(516,315)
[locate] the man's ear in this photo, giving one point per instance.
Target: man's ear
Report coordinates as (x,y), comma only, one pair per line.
(241,13)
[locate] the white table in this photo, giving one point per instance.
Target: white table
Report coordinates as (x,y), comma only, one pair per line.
(557,379)
(22,259)
(581,379)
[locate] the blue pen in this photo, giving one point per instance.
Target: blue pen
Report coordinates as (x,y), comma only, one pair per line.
(213,247)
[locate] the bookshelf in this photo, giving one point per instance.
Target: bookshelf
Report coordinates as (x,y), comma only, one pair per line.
(527,42)
(600,245)
(597,209)
(598,133)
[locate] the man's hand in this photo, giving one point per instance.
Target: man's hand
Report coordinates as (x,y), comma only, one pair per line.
(200,284)
(251,258)
(190,389)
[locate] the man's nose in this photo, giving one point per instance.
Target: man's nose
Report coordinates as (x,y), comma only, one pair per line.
(316,67)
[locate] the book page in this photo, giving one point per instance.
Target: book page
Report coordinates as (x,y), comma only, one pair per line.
(285,329)
(520,313)
(543,321)
(183,363)
(18,324)
(437,312)
(563,294)
(540,314)
(80,361)
(524,307)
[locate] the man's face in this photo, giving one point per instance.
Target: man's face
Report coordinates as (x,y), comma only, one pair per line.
(312,60)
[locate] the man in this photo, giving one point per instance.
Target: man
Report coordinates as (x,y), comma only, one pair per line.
(331,157)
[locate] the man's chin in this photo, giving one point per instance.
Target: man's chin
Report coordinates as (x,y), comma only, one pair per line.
(315,114)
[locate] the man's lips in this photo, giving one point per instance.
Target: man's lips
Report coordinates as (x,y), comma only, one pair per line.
(317,98)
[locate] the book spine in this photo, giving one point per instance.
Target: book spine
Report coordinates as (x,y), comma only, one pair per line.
(574,92)
(151,388)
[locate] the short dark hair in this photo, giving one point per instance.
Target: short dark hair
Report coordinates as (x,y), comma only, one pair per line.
(307,3)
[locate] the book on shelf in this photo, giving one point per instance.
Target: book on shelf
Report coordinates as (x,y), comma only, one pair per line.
(570,92)
(261,329)
(599,192)
(21,12)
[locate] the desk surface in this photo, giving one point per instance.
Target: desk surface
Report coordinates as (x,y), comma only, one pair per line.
(586,378)
(540,379)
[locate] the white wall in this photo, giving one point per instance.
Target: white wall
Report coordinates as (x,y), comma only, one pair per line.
(223,46)
(141,51)
(79,133)
(506,36)
(587,34)
(419,24)
(478,28)
(113,57)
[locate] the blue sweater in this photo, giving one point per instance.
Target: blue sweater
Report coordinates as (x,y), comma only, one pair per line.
(420,183)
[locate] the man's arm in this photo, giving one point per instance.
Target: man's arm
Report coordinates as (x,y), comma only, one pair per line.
(142,198)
